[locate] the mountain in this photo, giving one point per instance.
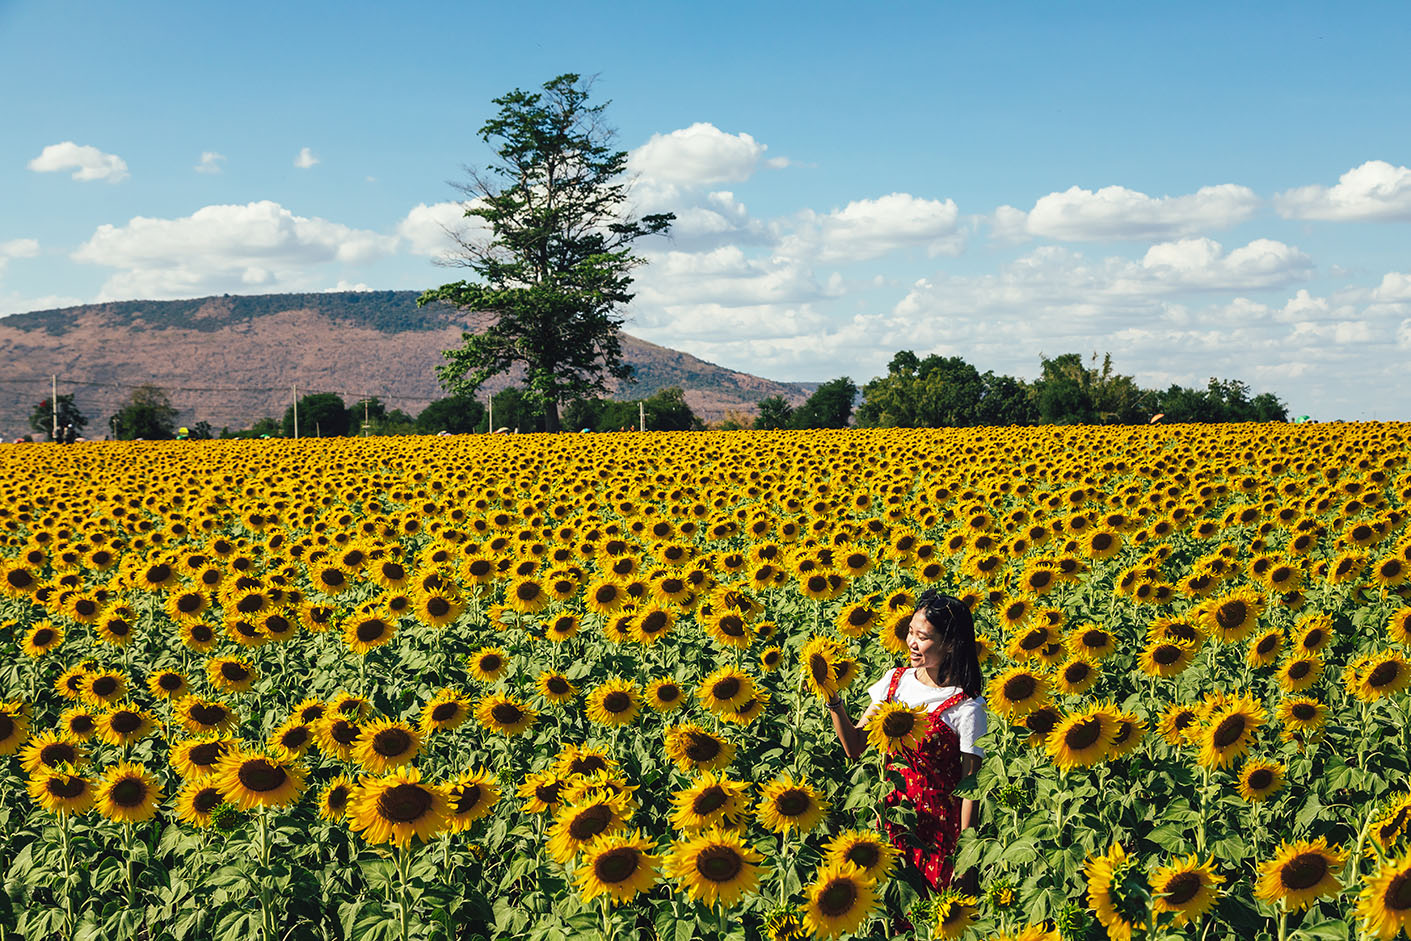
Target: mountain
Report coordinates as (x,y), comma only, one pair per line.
(233,359)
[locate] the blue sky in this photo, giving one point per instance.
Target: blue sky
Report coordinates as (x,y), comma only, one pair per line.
(1200,189)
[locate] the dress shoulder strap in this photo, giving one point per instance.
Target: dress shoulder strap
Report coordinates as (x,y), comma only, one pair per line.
(954,700)
(896,679)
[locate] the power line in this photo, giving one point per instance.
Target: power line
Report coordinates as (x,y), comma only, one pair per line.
(268,390)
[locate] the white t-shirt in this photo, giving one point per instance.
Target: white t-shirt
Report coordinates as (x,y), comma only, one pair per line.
(967,717)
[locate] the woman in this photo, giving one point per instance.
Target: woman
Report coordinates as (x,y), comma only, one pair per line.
(944,678)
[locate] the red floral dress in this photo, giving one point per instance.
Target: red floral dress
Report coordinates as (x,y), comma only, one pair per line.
(931,772)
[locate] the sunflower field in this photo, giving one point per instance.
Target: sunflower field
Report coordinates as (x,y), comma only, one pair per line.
(550,687)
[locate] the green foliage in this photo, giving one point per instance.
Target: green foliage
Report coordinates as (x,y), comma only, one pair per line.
(514,409)
(942,391)
(148,415)
(555,270)
(321,414)
(457,414)
(666,410)
(830,406)
(774,413)
(42,418)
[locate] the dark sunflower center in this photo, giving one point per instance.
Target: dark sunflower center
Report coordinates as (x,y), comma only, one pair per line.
(1041,721)
(125,722)
(104,686)
(234,672)
(1084,734)
(344,733)
(19,579)
(1299,669)
(1231,614)
(701,746)
(719,863)
(668,692)
(793,802)
(277,624)
(617,701)
(371,629)
(1397,897)
(391,743)
(859,617)
(261,776)
(548,793)
(295,737)
(129,792)
(333,578)
(466,798)
(506,713)
(250,604)
(1260,779)
(1102,541)
(437,607)
(491,662)
(1094,639)
(158,573)
(405,803)
(818,667)
(709,800)
(1181,888)
(171,682)
(838,898)
(43,637)
(445,712)
(1166,654)
(587,764)
(1020,688)
(58,753)
(673,586)
(1229,731)
(1313,639)
(65,786)
(205,754)
(527,591)
(80,724)
(1268,645)
(1384,674)
(1040,579)
(588,823)
(898,724)
(201,633)
(206,800)
(1303,871)
(726,688)
(617,865)
(1124,732)
(605,594)
(864,855)
(1077,672)
(337,798)
(188,603)
(1304,712)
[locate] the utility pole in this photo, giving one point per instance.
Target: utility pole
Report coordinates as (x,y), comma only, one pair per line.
(365,423)
(491,428)
(54,405)
(295,387)
(641,415)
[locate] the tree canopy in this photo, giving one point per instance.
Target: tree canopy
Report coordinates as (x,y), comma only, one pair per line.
(554,270)
(148,414)
(41,419)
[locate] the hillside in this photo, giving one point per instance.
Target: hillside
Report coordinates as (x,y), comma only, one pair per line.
(230,360)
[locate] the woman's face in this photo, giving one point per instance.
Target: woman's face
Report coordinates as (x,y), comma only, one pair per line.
(921,642)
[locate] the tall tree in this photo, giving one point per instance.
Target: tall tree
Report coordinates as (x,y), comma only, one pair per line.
(41,419)
(830,406)
(148,414)
(321,414)
(554,270)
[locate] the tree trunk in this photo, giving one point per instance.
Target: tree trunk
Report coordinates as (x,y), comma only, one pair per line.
(551,416)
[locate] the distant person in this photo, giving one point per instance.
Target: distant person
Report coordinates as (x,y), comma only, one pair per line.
(68,434)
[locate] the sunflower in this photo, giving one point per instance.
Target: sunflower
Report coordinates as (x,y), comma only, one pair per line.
(1260,780)
(333,799)
(1129,733)
(1302,717)
(437,609)
(896,727)
(446,711)
(1315,632)
(124,725)
(692,748)
(785,804)
(1177,723)
(1299,673)
(1229,732)
(1187,888)
(488,664)
(711,800)
(605,597)
(61,790)
(575,825)
(713,866)
(1092,643)
(368,629)
(724,689)
(562,627)
(839,900)
(336,735)
(1232,617)
(1384,905)
(469,797)
(195,802)
(127,793)
(769,658)
(541,791)
(1081,738)
(196,758)
(953,913)
(1300,873)
(855,620)
(665,695)
(197,637)
(1389,572)
(1116,888)
(349,705)
(527,595)
(50,750)
(43,637)
(1399,627)
(104,687)
(385,744)
(230,674)
(250,779)
(582,760)
(1100,544)
(1017,691)
(1378,676)
(396,807)
(868,851)
(504,714)
(167,684)
(1076,676)
(1265,647)
(198,715)
(1165,658)
(71,683)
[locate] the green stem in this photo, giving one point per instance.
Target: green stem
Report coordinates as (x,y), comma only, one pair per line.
(128,864)
(267,926)
(404,908)
(68,873)
(607,919)
(1283,920)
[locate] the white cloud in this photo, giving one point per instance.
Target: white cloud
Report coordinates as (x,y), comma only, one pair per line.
(225,247)
(88,163)
(210,162)
(870,228)
(344,285)
(1115,213)
(428,228)
(699,155)
(1376,192)
(305,158)
(19,248)
(1197,264)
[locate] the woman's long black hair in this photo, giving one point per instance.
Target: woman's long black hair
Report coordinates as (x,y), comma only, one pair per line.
(954,630)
